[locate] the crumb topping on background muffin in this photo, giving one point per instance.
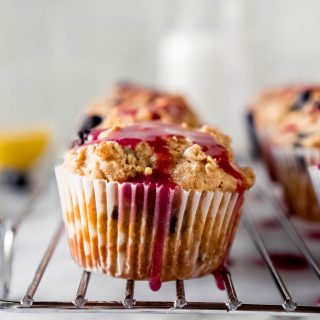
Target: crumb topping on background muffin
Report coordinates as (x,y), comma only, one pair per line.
(153,151)
(275,106)
(167,108)
(129,103)
(299,131)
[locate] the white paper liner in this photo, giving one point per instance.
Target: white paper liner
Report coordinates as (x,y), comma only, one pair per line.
(314,172)
(264,137)
(292,171)
(114,228)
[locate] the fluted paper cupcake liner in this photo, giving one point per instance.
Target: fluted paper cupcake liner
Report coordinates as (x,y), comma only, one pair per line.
(263,137)
(314,172)
(252,134)
(292,170)
(139,232)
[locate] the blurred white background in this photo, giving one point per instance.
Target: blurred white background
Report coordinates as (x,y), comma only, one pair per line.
(56,56)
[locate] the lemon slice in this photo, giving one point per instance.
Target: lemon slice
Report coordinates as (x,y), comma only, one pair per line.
(19,149)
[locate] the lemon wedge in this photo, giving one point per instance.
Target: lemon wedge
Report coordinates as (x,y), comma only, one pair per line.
(19,149)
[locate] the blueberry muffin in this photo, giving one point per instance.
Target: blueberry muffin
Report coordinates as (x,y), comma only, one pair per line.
(152,201)
(295,147)
(271,109)
(129,103)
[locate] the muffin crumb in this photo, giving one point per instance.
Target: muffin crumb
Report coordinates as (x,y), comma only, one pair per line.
(148,171)
(139,169)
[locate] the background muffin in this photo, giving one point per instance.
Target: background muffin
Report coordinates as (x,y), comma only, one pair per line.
(155,201)
(274,108)
(129,103)
(271,106)
(296,147)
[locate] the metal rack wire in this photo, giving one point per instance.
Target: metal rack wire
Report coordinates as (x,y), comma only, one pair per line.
(286,305)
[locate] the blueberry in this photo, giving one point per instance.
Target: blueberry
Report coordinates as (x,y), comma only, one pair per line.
(173,223)
(83,135)
(155,116)
(115,214)
(297,145)
(302,135)
(316,105)
(302,100)
(90,122)
(301,161)
(251,129)
(81,139)
(16,179)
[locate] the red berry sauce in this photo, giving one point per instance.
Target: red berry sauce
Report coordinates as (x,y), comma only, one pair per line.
(156,133)
(128,111)
(287,261)
(290,128)
(314,235)
(270,223)
(219,280)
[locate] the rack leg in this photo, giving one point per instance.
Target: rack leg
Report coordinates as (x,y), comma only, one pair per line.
(6,246)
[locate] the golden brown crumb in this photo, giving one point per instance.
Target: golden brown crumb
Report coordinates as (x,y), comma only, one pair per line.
(298,131)
(192,167)
(275,106)
(130,103)
(148,171)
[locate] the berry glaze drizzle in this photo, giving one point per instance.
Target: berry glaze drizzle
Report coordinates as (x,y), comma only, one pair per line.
(156,134)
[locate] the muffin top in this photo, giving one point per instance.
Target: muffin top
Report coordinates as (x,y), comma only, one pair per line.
(130,103)
(167,108)
(301,131)
(161,154)
(274,106)
(123,93)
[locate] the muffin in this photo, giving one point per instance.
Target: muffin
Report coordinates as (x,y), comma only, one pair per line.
(130,103)
(268,112)
(152,201)
(295,147)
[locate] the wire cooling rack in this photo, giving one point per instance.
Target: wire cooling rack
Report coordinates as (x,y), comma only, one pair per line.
(80,303)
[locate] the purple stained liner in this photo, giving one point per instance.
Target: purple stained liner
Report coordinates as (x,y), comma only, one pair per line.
(141,241)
